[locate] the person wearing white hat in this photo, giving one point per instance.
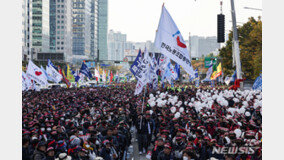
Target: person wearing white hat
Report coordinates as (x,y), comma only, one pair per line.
(63,156)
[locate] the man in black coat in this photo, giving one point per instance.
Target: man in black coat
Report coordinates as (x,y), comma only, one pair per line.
(26,150)
(159,147)
(166,154)
(39,153)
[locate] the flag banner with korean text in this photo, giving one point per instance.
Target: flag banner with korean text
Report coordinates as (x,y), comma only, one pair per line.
(170,42)
(136,64)
(36,74)
(140,67)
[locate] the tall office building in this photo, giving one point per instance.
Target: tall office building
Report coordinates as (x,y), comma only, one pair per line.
(40,25)
(26,30)
(102,29)
(60,27)
(81,30)
(35,28)
(116,45)
(94,28)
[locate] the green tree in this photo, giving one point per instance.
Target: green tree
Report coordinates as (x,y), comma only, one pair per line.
(250,41)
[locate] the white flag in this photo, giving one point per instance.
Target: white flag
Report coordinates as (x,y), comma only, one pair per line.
(104,76)
(139,87)
(53,74)
(36,74)
(97,74)
(24,83)
(170,42)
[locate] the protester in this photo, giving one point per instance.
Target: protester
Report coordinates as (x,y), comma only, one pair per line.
(181,122)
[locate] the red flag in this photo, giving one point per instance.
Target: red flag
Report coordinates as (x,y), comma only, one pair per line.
(111,76)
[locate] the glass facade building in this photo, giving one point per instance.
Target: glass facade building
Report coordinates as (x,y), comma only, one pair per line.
(60,27)
(94,28)
(81,28)
(40,25)
(102,29)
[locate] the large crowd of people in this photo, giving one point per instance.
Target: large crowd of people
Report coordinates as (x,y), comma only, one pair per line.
(178,123)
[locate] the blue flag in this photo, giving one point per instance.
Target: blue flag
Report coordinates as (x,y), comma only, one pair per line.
(196,73)
(258,83)
(234,77)
(136,65)
(85,70)
(177,68)
(76,75)
(49,63)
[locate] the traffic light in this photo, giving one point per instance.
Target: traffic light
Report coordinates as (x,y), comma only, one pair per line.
(221,28)
(195,59)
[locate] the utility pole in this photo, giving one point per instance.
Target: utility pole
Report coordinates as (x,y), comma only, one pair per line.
(189,45)
(236,48)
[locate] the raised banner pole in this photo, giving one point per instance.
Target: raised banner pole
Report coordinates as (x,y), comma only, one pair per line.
(143,106)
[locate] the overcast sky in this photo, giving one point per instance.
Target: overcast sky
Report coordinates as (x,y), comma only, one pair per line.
(139,18)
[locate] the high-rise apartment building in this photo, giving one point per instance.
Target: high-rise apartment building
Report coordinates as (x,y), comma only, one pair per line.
(102,29)
(202,46)
(116,45)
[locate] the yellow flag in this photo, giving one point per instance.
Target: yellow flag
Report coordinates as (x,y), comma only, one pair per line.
(217,73)
(69,75)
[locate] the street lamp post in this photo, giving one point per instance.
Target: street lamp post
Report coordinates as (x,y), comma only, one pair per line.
(236,48)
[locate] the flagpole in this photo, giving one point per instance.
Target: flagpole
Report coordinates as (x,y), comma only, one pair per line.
(142,106)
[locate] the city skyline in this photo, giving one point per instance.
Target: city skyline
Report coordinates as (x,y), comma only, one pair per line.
(197,17)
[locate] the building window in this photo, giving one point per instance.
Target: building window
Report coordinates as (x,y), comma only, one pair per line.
(58,27)
(62,27)
(58,11)
(62,43)
(62,16)
(62,48)
(62,1)
(58,6)
(62,21)
(58,48)
(58,37)
(58,21)
(58,0)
